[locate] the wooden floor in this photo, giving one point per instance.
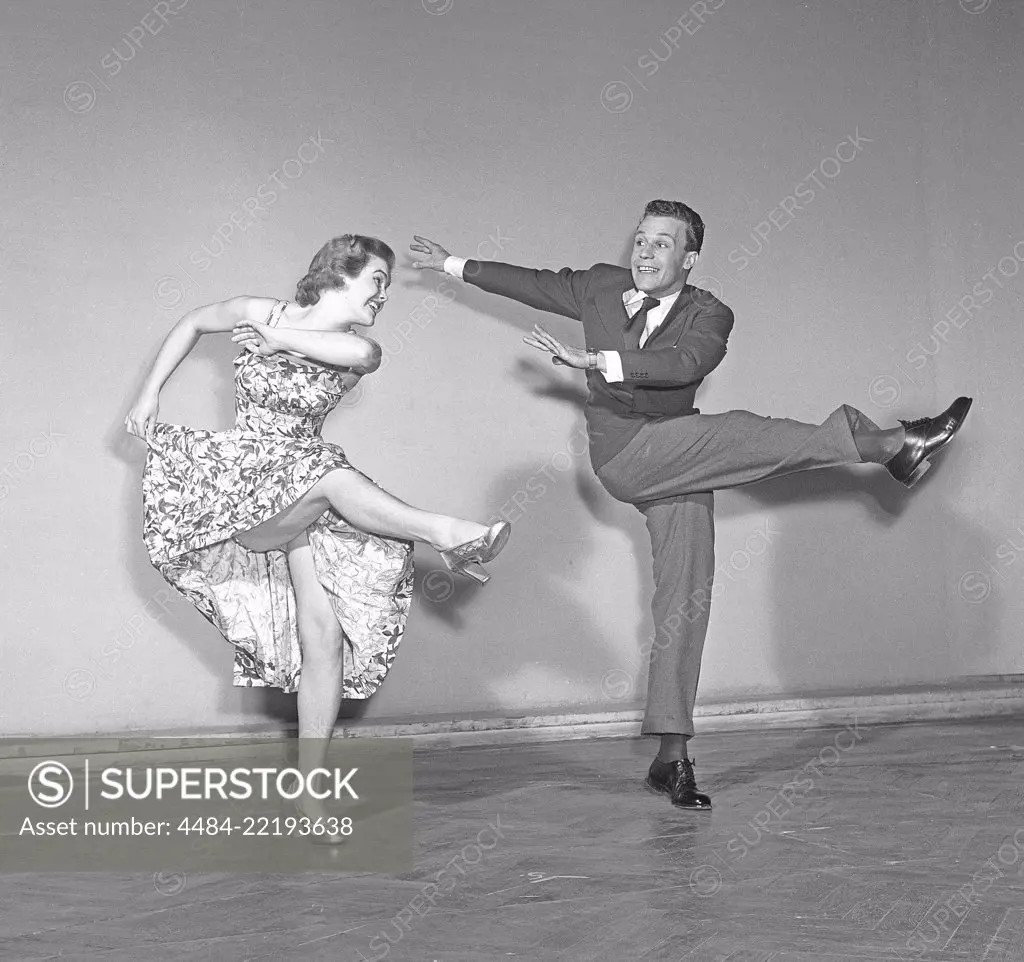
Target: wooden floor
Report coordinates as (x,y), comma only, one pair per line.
(840,845)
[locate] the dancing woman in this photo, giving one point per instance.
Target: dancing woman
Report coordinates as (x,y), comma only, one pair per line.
(301,561)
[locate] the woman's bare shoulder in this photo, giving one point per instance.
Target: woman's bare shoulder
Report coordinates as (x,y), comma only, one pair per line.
(249,307)
(226,315)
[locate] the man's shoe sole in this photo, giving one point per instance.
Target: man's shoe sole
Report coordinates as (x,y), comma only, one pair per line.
(917,473)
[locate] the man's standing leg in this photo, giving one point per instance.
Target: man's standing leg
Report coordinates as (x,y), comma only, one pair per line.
(683,543)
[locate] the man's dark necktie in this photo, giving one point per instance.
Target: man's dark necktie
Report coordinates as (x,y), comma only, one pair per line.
(640,317)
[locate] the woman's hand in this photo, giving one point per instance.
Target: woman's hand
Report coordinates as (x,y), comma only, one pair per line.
(570,356)
(435,254)
(141,418)
(257,337)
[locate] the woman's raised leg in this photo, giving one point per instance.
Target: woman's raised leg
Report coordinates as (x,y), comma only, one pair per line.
(364,505)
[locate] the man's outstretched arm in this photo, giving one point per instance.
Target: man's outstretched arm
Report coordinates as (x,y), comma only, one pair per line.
(557,292)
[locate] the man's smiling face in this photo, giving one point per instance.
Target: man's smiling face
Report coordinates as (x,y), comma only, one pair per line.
(660,261)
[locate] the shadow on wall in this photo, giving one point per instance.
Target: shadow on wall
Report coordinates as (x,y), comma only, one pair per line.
(854,604)
(553,536)
(830,580)
(849,602)
(552,502)
(181,619)
(829,584)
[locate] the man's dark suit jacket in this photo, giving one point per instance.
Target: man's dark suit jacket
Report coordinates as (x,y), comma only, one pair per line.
(659,381)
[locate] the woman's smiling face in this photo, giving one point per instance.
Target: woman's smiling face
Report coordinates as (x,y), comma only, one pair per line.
(363,297)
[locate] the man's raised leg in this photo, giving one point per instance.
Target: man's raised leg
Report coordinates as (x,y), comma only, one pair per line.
(707,452)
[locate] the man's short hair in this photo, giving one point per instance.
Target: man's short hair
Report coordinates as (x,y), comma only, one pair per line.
(679,210)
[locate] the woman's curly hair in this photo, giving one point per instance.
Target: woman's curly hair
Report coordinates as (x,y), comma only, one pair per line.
(340,259)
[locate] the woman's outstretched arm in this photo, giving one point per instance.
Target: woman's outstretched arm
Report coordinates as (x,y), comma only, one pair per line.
(358,354)
(213,318)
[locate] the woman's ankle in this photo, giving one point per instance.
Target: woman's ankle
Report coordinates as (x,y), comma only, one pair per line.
(455,531)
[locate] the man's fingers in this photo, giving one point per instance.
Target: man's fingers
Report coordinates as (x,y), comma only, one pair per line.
(424,245)
(535,343)
(551,344)
(543,335)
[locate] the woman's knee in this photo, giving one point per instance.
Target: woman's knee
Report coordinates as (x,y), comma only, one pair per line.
(341,483)
(320,636)
(328,490)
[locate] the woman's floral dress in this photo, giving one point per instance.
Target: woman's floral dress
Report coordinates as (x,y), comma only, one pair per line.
(201,488)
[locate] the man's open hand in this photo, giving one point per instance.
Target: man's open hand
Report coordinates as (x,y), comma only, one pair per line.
(433,255)
(542,341)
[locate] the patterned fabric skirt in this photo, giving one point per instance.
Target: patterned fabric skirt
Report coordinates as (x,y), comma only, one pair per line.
(201,488)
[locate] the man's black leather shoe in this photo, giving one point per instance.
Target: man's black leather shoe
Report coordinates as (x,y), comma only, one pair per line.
(676,780)
(925,436)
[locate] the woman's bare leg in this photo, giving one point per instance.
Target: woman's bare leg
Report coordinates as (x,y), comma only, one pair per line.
(322,642)
(365,506)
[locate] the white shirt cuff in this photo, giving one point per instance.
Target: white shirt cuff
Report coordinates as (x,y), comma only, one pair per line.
(454,266)
(613,362)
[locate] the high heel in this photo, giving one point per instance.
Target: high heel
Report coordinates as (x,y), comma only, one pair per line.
(467,559)
(469,570)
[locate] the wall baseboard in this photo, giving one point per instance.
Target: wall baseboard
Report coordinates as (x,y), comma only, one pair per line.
(990,697)
(982,697)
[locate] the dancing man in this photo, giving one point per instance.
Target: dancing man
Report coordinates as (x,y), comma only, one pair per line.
(651,339)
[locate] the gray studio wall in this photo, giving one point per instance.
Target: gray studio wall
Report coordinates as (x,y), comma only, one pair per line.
(856,164)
